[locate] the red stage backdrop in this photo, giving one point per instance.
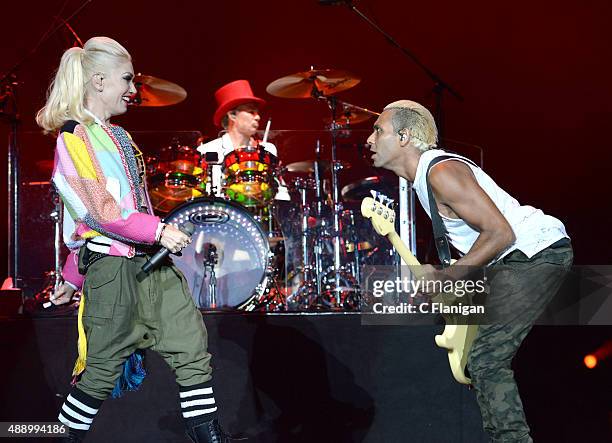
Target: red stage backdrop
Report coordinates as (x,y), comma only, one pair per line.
(535,77)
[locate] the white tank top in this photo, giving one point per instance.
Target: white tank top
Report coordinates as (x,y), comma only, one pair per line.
(534,230)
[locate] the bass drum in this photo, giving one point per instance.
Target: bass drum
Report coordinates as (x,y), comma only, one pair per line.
(226,264)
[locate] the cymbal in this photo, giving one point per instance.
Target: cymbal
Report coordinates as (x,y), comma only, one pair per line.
(301,84)
(153,91)
(352,116)
(360,189)
(308,166)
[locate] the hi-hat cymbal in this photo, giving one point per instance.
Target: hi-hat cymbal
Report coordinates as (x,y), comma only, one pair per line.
(360,189)
(308,166)
(352,116)
(301,84)
(153,91)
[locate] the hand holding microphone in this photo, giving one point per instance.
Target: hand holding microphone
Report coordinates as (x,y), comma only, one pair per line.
(175,239)
(172,240)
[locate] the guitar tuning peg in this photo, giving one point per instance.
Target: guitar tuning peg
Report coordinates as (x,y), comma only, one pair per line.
(373,193)
(389,202)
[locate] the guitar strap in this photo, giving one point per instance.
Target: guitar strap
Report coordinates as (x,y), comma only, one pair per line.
(439,230)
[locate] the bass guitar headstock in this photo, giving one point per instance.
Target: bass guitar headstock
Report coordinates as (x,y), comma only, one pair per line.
(379,208)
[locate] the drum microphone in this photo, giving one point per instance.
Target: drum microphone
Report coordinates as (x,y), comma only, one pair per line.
(188,228)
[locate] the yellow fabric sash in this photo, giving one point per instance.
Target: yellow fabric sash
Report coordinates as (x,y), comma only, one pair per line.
(79,365)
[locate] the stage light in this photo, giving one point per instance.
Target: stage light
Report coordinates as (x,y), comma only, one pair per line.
(599,355)
(590,361)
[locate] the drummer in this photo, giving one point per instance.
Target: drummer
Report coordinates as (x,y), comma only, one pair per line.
(238,114)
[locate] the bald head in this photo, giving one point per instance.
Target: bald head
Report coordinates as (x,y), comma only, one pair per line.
(417,119)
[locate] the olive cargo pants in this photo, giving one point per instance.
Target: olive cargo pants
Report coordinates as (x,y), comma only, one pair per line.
(123,314)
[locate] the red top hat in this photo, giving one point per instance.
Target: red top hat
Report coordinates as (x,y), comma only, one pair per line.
(232,95)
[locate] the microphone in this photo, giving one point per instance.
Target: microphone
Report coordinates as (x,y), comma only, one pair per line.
(188,228)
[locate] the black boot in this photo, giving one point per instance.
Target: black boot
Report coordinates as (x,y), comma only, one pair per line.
(73,436)
(207,432)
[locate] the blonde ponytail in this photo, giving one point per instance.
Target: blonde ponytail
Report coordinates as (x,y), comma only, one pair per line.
(66,94)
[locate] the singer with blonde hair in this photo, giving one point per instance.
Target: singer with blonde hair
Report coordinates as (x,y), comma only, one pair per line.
(111,230)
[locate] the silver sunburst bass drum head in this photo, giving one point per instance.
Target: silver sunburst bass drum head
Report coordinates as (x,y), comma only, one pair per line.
(225,265)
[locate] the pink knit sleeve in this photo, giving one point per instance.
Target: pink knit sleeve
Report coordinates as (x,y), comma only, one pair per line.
(70,272)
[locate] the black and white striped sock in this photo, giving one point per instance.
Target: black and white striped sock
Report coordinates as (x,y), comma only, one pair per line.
(79,410)
(198,402)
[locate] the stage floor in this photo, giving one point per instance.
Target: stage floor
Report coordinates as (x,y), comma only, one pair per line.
(315,378)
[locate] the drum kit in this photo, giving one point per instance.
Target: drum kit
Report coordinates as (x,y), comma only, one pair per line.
(238,255)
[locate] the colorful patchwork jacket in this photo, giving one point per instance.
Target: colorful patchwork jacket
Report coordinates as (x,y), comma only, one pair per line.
(105,200)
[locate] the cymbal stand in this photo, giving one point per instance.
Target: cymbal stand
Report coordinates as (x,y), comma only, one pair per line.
(319,210)
(307,292)
(307,271)
(8,109)
(337,206)
(354,239)
(58,219)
